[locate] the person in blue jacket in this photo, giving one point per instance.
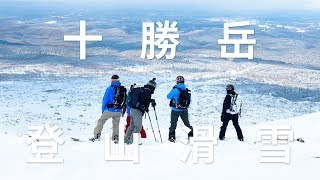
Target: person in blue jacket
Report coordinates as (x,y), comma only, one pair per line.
(113,101)
(180,100)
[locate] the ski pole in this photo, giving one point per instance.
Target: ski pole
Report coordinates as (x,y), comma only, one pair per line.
(152,128)
(155,113)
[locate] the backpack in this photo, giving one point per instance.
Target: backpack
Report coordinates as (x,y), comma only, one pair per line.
(120,96)
(133,96)
(184,99)
(235,106)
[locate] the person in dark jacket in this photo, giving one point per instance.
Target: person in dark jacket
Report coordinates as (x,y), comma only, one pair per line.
(143,133)
(143,97)
(229,114)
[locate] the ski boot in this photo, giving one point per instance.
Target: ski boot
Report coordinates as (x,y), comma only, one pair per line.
(116,139)
(97,138)
(172,139)
(127,141)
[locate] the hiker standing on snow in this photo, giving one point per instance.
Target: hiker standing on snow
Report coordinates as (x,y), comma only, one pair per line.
(113,102)
(230,111)
(180,97)
(139,99)
(143,133)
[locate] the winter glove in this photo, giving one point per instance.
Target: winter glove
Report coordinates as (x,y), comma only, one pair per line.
(153,103)
(222,116)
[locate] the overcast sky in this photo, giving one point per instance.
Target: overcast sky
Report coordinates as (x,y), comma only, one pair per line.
(185,4)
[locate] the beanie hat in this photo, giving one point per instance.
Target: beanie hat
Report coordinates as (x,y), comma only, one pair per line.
(115,78)
(152,83)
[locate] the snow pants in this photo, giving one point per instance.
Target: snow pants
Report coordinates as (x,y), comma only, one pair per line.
(115,123)
(235,121)
(174,121)
(143,133)
(135,124)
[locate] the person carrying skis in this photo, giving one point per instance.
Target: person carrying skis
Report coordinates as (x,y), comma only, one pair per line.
(114,100)
(230,111)
(139,99)
(143,133)
(180,98)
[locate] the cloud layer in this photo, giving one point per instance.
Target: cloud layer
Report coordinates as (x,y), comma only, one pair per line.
(185,4)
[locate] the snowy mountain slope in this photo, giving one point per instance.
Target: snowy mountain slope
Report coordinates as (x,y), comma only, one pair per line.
(74,103)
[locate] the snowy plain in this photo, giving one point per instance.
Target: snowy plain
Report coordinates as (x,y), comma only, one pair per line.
(232,159)
(44,82)
(74,104)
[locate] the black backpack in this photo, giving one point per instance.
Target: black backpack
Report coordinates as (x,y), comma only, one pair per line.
(184,99)
(120,97)
(133,97)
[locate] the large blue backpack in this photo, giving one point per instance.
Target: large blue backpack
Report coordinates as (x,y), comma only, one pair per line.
(134,96)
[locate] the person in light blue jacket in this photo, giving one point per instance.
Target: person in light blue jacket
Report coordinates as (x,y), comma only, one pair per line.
(114,100)
(180,97)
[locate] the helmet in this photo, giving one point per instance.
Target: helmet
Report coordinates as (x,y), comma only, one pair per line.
(230,87)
